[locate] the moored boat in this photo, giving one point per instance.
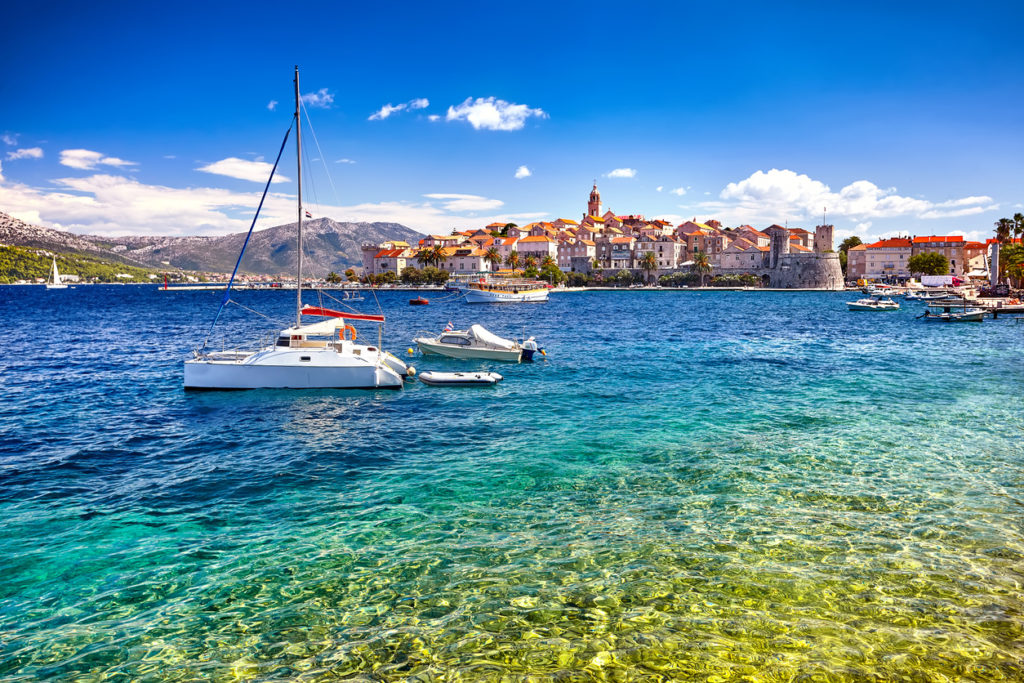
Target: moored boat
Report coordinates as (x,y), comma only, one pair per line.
(321,355)
(874,303)
(419,301)
(948,313)
(460,379)
(477,343)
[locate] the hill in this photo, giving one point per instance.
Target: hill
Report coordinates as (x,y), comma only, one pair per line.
(327,244)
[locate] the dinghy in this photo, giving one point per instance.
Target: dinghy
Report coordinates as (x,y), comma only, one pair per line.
(459,379)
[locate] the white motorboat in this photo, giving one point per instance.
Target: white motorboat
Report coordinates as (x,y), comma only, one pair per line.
(322,355)
(924,296)
(53,282)
(477,343)
(460,379)
(874,303)
(505,291)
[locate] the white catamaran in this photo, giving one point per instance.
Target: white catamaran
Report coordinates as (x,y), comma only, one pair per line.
(54,281)
(321,355)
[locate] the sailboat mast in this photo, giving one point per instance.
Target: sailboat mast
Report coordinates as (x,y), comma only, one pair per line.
(298,157)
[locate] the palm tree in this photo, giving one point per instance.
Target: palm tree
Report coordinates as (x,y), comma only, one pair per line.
(493,256)
(548,262)
(1003,228)
(701,264)
(649,263)
(437,251)
(512,260)
(530,261)
(1018,224)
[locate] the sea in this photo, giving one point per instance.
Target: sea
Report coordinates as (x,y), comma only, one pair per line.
(689,486)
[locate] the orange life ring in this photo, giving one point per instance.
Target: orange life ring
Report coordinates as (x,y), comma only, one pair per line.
(347,328)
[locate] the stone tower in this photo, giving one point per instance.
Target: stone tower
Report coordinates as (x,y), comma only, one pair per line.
(823,239)
(779,246)
(594,205)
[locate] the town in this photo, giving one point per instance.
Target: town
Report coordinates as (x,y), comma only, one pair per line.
(605,246)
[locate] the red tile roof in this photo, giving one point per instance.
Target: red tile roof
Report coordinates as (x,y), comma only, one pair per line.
(889,243)
(938,238)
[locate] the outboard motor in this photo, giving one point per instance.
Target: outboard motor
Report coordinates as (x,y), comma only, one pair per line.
(530,348)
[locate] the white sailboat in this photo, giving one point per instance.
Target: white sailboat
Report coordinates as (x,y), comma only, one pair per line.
(320,355)
(54,281)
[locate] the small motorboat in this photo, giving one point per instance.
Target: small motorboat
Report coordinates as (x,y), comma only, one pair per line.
(479,343)
(874,303)
(460,379)
(945,313)
(419,301)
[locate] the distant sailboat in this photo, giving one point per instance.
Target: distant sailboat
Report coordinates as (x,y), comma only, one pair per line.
(54,281)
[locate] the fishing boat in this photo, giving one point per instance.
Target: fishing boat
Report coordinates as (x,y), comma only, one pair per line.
(477,343)
(322,355)
(460,379)
(946,312)
(874,303)
(53,282)
(506,290)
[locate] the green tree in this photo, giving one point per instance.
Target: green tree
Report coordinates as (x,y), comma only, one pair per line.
(701,265)
(512,260)
(844,249)
(504,231)
(530,261)
(1018,224)
(350,275)
(548,261)
(1004,228)
(553,274)
(649,264)
(493,257)
(333,277)
(412,275)
(1011,262)
(928,263)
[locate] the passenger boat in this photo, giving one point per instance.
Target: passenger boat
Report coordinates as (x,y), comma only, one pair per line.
(874,303)
(321,355)
(949,313)
(460,379)
(505,291)
(477,343)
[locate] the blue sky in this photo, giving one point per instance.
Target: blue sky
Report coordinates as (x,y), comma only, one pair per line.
(133,118)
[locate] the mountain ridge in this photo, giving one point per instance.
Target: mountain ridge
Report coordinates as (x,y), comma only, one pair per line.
(327,245)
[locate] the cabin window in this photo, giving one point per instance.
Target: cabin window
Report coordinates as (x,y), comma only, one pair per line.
(283,341)
(304,359)
(455,340)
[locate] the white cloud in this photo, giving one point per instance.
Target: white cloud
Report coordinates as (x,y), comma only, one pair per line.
(272,105)
(863,227)
(780,195)
(466,202)
(88,160)
(344,161)
(29,153)
(233,167)
(389,109)
(386,111)
(1,172)
(621,173)
(673,218)
(115,205)
(9,139)
(679,191)
(433,117)
(659,188)
(523,172)
(489,113)
(321,98)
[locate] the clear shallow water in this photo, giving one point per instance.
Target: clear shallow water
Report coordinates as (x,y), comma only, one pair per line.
(694,486)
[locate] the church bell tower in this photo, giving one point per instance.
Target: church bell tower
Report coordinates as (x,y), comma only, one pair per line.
(594,205)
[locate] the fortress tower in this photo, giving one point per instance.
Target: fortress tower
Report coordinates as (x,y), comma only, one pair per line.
(594,205)
(779,246)
(823,239)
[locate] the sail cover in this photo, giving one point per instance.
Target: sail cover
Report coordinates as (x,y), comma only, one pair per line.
(490,338)
(328,313)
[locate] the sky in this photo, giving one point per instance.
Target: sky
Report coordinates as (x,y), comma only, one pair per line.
(123,118)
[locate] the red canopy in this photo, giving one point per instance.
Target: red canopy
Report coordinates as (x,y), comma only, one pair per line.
(315,310)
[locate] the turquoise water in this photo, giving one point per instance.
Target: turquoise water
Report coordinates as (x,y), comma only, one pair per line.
(692,486)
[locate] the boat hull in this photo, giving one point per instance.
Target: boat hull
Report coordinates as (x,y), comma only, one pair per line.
(489,296)
(467,352)
(285,369)
(866,307)
(460,379)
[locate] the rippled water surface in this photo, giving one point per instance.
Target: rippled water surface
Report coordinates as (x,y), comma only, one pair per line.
(692,486)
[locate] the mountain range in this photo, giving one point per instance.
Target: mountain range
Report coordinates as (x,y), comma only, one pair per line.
(327,245)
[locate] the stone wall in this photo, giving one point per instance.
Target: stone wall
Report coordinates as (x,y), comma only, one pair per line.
(797,271)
